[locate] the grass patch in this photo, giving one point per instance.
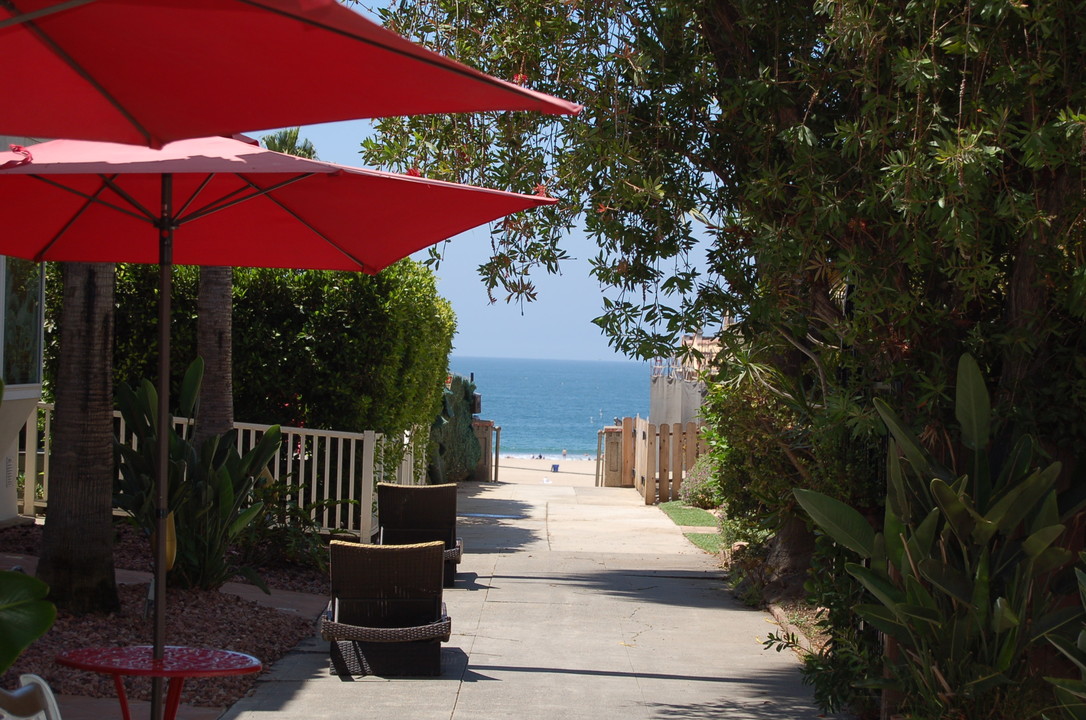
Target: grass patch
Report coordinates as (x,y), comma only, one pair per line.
(709,542)
(688,516)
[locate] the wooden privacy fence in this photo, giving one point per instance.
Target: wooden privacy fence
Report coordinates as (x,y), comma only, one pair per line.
(656,459)
(322,466)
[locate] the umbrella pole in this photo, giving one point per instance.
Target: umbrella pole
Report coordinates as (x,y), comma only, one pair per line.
(162,480)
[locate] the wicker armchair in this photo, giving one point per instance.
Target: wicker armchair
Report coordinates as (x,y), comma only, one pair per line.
(386,616)
(420,513)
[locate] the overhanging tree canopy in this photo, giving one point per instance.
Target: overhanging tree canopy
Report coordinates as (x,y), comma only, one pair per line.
(883,184)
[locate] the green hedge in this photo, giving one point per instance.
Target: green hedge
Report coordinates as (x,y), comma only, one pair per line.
(331,350)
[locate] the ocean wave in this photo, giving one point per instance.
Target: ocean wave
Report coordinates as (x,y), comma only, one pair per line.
(548,456)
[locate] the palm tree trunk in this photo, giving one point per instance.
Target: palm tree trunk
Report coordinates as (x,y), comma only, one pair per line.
(214,325)
(77,545)
(214,322)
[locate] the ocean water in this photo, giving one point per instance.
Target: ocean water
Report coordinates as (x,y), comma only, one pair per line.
(547,406)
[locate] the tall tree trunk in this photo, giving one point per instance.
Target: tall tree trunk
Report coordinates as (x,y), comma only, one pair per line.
(214,325)
(77,545)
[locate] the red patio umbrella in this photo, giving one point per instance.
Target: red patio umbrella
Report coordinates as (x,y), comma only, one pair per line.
(232,204)
(153,71)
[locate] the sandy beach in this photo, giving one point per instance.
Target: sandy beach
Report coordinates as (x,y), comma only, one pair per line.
(573,472)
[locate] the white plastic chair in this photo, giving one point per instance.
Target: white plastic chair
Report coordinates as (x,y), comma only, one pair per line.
(32,701)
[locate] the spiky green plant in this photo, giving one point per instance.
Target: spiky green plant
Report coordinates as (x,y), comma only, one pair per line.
(960,577)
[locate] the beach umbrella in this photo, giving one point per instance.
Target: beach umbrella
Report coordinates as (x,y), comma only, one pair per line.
(222,201)
(152,71)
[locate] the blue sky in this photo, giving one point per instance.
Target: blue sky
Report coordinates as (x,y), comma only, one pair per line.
(556,326)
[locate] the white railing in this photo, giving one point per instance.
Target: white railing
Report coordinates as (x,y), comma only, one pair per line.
(323,466)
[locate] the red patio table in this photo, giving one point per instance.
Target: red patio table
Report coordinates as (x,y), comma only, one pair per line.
(178,663)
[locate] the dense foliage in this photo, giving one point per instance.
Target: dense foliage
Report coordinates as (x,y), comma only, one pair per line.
(960,580)
(341,351)
(701,487)
(877,185)
(347,351)
(867,189)
(454,450)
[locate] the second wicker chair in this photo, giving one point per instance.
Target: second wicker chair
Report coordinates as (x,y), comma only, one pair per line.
(420,513)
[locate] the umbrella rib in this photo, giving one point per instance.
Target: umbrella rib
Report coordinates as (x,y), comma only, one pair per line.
(91,199)
(144,213)
(79,70)
(106,182)
(436,62)
(358,261)
(195,193)
(35,14)
(232,198)
(226,201)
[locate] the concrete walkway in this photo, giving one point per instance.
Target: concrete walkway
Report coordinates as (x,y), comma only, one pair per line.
(572,602)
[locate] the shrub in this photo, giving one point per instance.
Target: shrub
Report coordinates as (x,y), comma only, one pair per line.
(337,350)
(964,577)
(210,502)
(285,531)
(852,648)
(701,486)
(454,449)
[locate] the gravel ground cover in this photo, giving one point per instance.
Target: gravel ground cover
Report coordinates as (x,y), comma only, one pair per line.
(197,618)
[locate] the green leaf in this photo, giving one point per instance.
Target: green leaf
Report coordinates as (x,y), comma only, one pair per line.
(25,615)
(1069,649)
(1074,687)
(1039,541)
(948,579)
(917,593)
(1047,514)
(1018,463)
(957,514)
(983,530)
(909,444)
(1071,703)
(931,616)
(894,531)
(844,524)
(877,584)
(242,521)
(1056,622)
(1019,500)
(973,406)
(923,538)
(897,500)
(190,388)
(1003,616)
(884,620)
(148,400)
(254,578)
(981,588)
(878,550)
(258,458)
(987,678)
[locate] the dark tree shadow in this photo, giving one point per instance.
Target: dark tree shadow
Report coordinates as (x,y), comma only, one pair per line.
(489,525)
(681,588)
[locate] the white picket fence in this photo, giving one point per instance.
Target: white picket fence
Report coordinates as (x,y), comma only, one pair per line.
(323,466)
